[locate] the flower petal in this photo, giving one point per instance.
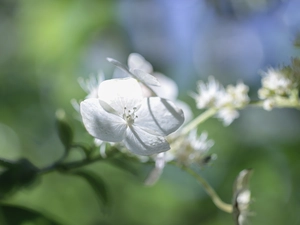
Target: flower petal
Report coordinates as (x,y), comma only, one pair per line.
(141,142)
(101,124)
(155,174)
(159,115)
(144,77)
(120,93)
(118,64)
(136,61)
(141,73)
(168,88)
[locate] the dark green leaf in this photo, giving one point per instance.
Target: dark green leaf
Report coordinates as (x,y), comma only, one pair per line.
(6,163)
(20,174)
(96,183)
(18,215)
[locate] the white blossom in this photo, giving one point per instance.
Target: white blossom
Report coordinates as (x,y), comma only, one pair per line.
(234,98)
(274,82)
(121,114)
(226,101)
(227,115)
(269,104)
(192,149)
(91,85)
(239,94)
(138,68)
(208,93)
(277,85)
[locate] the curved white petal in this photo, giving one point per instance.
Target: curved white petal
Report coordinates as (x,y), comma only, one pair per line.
(120,93)
(141,142)
(101,124)
(188,114)
(168,88)
(136,61)
(155,174)
(159,115)
(144,77)
(118,64)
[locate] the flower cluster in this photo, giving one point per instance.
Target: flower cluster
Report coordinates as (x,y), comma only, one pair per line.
(226,101)
(277,85)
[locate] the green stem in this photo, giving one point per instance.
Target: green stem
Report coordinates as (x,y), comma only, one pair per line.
(200,119)
(210,191)
(280,102)
(69,166)
(59,166)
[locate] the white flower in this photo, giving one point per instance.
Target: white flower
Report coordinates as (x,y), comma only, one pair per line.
(234,98)
(209,93)
(213,95)
(274,82)
(193,149)
(276,85)
(239,94)
(121,114)
(227,115)
(269,104)
(91,85)
(138,68)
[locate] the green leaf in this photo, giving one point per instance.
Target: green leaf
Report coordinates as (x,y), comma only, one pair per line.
(21,173)
(96,183)
(18,215)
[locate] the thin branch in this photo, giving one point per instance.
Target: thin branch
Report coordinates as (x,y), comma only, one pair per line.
(210,191)
(200,119)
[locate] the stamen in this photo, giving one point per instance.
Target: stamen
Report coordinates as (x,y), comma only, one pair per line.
(129,115)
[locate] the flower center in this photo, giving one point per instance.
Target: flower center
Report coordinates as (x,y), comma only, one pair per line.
(129,115)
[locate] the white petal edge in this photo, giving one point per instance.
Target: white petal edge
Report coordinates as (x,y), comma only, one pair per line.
(145,77)
(118,64)
(155,174)
(101,124)
(159,115)
(168,88)
(141,142)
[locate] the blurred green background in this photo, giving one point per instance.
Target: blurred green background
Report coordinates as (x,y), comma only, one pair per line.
(46,45)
